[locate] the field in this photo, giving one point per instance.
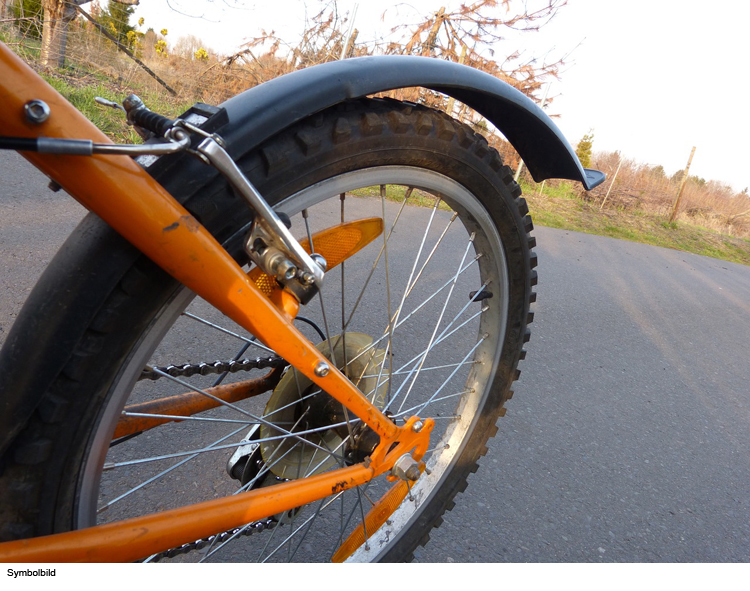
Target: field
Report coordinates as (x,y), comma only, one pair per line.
(563,207)
(712,220)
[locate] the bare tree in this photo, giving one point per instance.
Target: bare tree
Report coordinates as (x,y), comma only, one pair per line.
(324,39)
(471,34)
(187,45)
(477,30)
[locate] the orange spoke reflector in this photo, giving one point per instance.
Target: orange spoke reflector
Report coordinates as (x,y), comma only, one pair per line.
(336,244)
(374,519)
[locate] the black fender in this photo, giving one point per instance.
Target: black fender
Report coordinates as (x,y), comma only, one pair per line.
(273,106)
(245,121)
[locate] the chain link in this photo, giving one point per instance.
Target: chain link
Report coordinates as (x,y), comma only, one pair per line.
(217,367)
(247,530)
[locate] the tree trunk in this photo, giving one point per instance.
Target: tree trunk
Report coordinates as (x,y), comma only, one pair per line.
(429,45)
(57,16)
(53,30)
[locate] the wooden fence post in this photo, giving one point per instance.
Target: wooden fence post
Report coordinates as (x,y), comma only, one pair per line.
(682,187)
(612,184)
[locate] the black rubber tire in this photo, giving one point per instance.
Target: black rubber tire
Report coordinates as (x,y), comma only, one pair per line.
(99,295)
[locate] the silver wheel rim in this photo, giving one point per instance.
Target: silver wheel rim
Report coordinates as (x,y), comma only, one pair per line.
(484,353)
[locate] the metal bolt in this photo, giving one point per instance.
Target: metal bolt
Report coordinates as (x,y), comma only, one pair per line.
(36,111)
(132,102)
(417,427)
(322,369)
(320,260)
(406,468)
(286,270)
(280,266)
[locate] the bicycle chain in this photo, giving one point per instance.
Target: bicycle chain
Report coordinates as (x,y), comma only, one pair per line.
(217,367)
(219,538)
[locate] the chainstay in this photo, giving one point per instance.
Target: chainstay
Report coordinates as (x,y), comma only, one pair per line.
(246,530)
(217,367)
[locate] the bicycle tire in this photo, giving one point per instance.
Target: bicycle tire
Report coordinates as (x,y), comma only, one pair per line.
(108,308)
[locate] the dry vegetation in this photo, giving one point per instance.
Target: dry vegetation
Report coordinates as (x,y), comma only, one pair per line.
(192,68)
(196,73)
(638,187)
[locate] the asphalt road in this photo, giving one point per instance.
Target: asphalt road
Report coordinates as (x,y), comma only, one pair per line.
(627,439)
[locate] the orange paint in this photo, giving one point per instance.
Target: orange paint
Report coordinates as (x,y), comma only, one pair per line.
(132,539)
(190,403)
(118,190)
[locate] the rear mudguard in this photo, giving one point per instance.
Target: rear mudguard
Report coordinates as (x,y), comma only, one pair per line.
(271,107)
(95,255)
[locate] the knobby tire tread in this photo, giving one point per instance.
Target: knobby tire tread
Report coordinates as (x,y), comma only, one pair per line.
(36,494)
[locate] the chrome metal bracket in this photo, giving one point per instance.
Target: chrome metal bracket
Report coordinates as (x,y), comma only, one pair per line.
(179,141)
(270,244)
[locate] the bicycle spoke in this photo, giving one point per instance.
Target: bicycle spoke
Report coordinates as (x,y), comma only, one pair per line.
(421,306)
(299,435)
(394,320)
(437,324)
(182,418)
(237,357)
(250,340)
(250,415)
(440,389)
(425,369)
(416,408)
(323,505)
(161,474)
(374,265)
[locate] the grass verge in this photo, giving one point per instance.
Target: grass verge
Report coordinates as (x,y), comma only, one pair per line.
(555,205)
(81,90)
(560,207)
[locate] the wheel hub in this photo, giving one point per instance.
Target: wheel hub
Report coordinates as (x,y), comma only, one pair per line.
(297,405)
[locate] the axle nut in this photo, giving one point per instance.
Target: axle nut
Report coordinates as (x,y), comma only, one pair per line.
(406,468)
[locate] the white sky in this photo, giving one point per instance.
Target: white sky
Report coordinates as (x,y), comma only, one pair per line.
(652,78)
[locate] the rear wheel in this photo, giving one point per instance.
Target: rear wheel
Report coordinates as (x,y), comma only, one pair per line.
(428,319)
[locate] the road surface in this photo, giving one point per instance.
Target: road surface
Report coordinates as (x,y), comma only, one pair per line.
(627,439)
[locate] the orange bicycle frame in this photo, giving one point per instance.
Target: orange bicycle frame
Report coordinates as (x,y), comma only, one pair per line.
(119,191)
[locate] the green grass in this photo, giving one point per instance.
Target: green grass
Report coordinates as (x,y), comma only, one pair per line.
(26,47)
(561,207)
(555,205)
(110,121)
(81,91)
(397,193)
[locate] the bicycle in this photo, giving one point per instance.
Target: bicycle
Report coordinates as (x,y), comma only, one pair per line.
(230,218)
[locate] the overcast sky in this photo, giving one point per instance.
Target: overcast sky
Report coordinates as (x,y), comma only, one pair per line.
(652,78)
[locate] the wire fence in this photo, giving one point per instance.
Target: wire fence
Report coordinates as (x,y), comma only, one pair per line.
(104,46)
(96,44)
